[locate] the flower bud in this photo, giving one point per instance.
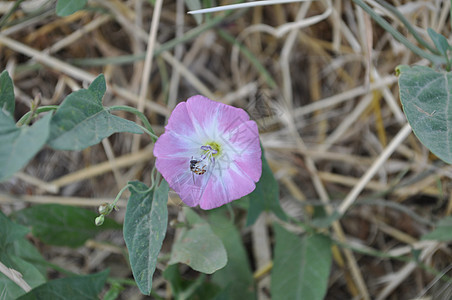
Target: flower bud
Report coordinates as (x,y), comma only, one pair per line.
(104,208)
(99,220)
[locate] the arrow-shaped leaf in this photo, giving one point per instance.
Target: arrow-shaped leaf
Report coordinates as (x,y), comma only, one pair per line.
(301,266)
(19,144)
(81,120)
(144,230)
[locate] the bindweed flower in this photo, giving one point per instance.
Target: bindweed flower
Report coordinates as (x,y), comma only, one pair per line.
(210,153)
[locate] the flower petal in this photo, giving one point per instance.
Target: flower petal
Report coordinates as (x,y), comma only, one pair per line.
(228,185)
(213,117)
(172,168)
(172,145)
(187,189)
(189,186)
(244,146)
(180,121)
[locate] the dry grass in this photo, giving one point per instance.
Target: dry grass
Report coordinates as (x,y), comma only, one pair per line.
(318,78)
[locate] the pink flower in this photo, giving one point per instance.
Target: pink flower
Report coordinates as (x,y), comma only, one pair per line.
(210,153)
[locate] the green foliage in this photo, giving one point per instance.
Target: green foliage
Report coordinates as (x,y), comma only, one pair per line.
(301,266)
(236,278)
(144,230)
(442,232)
(113,292)
(324,220)
(265,197)
(440,42)
(17,144)
(197,246)
(17,253)
(62,225)
(81,120)
(27,251)
(189,289)
(68,7)
(85,287)
(30,274)
(7,99)
(425,95)
(10,231)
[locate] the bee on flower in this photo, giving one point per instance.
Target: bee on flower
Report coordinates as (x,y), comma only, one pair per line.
(209,153)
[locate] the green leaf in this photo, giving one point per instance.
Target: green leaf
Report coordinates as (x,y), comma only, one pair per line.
(442,232)
(440,42)
(12,235)
(236,278)
(25,250)
(68,7)
(10,231)
(426,97)
(197,246)
(85,287)
(189,289)
(18,145)
(324,220)
(265,197)
(81,120)
(62,225)
(114,291)
(7,100)
(301,266)
(7,123)
(172,274)
(31,275)
(144,230)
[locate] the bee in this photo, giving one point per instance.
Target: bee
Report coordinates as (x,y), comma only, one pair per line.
(195,168)
(203,164)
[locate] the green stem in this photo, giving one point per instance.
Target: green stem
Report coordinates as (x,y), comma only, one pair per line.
(29,115)
(138,191)
(113,205)
(142,117)
(407,24)
(152,135)
(153,177)
(32,113)
(121,281)
(435,59)
(6,16)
